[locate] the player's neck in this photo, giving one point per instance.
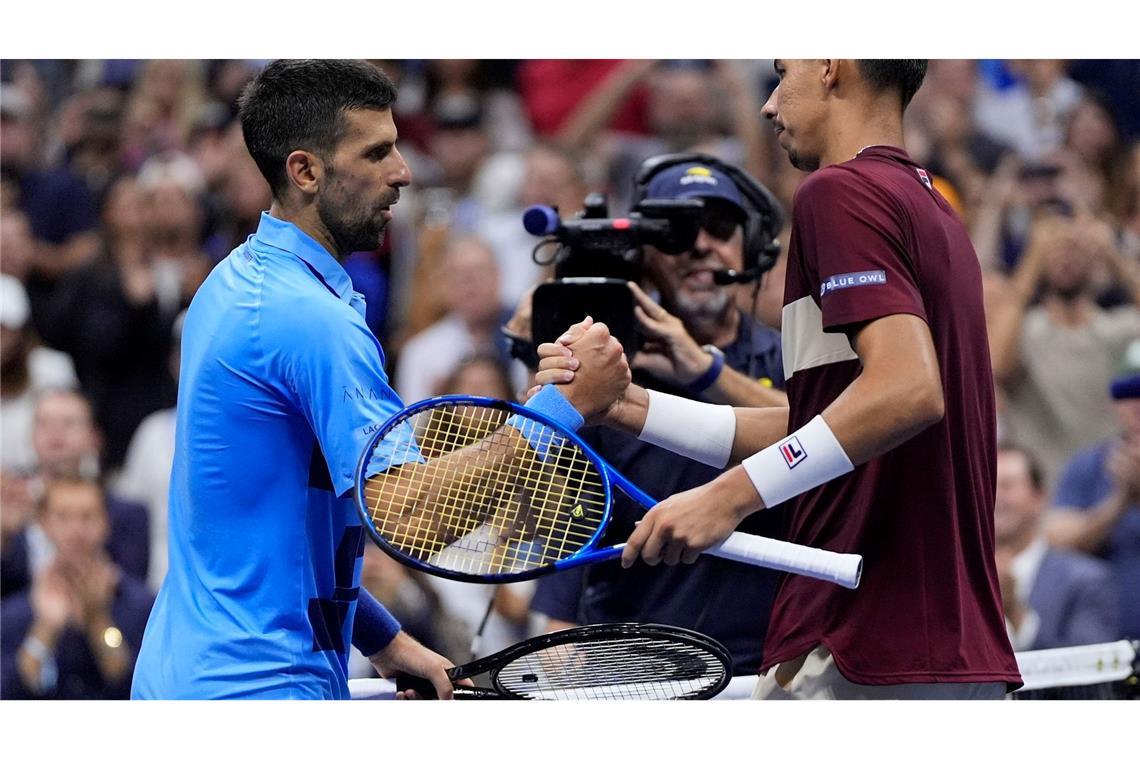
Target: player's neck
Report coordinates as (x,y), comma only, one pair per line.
(855,128)
(308,221)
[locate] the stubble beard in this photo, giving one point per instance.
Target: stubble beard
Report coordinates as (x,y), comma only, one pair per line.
(350,229)
(802,162)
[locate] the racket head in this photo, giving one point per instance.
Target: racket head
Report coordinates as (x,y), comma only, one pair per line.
(609,662)
(569,522)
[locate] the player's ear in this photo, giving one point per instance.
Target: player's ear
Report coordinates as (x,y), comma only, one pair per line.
(829,72)
(305,171)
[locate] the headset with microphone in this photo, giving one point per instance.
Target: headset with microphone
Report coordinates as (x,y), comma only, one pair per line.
(764,217)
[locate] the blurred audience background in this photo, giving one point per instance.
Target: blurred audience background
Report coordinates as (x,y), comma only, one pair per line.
(123,182)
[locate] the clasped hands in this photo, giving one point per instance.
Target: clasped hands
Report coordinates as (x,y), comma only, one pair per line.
(589,367)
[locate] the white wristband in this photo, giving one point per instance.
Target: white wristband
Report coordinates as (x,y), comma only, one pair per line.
(693,429)
(807,458)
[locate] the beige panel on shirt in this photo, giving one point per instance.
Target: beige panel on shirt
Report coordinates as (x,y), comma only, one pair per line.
(805,343)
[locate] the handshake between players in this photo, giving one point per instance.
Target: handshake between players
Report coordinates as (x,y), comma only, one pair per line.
(590,369)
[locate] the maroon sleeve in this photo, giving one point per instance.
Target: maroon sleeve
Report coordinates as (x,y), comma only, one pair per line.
(853,242)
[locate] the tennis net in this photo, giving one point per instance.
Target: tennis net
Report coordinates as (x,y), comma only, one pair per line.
(1096,671)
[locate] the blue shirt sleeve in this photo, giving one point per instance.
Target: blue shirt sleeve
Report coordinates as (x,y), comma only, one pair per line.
(334,367)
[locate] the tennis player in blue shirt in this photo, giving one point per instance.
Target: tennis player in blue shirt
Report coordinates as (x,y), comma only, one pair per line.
(281,384)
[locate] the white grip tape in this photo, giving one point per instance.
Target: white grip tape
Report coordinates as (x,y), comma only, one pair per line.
(842,569)
(693,429)
(371,688)
(807,458)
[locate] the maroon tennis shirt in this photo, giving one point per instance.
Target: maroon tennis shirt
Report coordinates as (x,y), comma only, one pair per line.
(871,238)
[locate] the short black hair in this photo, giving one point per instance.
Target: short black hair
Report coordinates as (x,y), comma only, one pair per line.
(300,105)
(902,75)
(1032,464)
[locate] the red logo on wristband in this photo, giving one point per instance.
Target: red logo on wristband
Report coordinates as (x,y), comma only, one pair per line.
(793,452)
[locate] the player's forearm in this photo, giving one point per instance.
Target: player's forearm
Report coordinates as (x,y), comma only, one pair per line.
(687,420)
(374,628)
(897,394)
(398,495)
(629,413)
(880,410)
(757,429)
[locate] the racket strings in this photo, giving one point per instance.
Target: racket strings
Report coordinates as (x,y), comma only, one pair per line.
(629,669)
(464,493)
(422,533)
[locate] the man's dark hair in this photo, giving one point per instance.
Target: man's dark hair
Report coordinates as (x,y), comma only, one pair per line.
(300,105)
(1032,464)
(902,76)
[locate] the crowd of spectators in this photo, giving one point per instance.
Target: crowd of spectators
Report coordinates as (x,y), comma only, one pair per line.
(124,182)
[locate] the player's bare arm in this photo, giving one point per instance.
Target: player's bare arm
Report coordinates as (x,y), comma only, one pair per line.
(897,395)
(627,409)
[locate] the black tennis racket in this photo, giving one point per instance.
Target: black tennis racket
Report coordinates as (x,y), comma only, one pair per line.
(488,491)
(609,662)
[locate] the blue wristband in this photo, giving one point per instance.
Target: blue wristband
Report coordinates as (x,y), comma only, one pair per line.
(550,403)
(706,381)
(374,627)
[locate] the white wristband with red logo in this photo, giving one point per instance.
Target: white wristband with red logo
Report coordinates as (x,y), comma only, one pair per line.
(807,458)
(693,429)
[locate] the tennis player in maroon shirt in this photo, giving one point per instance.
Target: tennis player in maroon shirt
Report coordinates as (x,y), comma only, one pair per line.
(888,448)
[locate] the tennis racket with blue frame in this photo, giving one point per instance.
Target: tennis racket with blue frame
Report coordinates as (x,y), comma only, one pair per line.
(488,491)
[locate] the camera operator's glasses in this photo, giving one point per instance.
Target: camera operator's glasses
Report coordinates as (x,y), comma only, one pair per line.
(719,223)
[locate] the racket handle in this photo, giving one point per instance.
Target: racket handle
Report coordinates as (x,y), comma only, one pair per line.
(427,691)
(422,685)
(843,569)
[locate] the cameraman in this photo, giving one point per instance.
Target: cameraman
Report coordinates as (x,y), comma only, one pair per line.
(698,343)
(696,339)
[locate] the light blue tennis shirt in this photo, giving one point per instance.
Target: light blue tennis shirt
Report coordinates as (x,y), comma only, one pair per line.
(281,385)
